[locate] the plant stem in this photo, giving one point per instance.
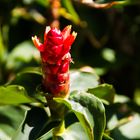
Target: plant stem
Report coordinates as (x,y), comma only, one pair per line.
(57,131)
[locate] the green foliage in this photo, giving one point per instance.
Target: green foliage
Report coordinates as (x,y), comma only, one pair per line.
(104,91)
(29,78)
(43,2)
(71,10)
(71,133)
(10,119)
(88,116)
(33,124)
(22,54)
(86,107)
(82,114)
(96,109)
(83,80)
(2,48)
(13,94)
(108,40)
(123,120)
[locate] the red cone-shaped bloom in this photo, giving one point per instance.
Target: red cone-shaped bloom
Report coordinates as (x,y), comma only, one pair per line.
(56,59)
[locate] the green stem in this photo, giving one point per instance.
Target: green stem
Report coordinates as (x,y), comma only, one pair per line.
(57,131)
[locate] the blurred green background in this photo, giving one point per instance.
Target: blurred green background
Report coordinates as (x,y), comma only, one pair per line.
(108,41)
(108,38)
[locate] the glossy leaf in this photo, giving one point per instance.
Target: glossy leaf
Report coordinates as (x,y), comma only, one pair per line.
(123,121)
(70,133)
(104,91)
(9,122)
(74,132)
(47,135)
(83,80)
(106,137)
(22,54)
(127,130)
(13,94)
(121,98)
(30,79)
(35,124)
(96,109)
(82,114)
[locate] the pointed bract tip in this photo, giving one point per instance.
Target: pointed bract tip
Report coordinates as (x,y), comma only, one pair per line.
(69,26)
(66,32)
(35,40)
(74,34)
(47,28)
(37,43)
(67,29)
(34,37)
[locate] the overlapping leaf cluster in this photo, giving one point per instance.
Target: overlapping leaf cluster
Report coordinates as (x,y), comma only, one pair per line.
(87,108)
(108,40)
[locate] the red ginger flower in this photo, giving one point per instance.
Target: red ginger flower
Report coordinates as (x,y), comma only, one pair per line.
(56,59)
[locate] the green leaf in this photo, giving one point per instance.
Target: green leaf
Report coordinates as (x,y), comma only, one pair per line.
(83,80)
(121,98)
(30,79)
(123,121)
(47,135)
(82,114)
(96,109)
(137,96)
(35,124)
(131,130)
(32,70)
(44,3)
(70,8)
(2,48)
(109,55)
(75,132)
(22,54)
(9,122)
(104,91)
(106,137)
(13,94)
(72,132)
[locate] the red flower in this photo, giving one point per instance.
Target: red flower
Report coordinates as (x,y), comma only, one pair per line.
(56,59)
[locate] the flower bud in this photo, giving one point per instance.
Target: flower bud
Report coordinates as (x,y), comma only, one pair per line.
(56,58)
